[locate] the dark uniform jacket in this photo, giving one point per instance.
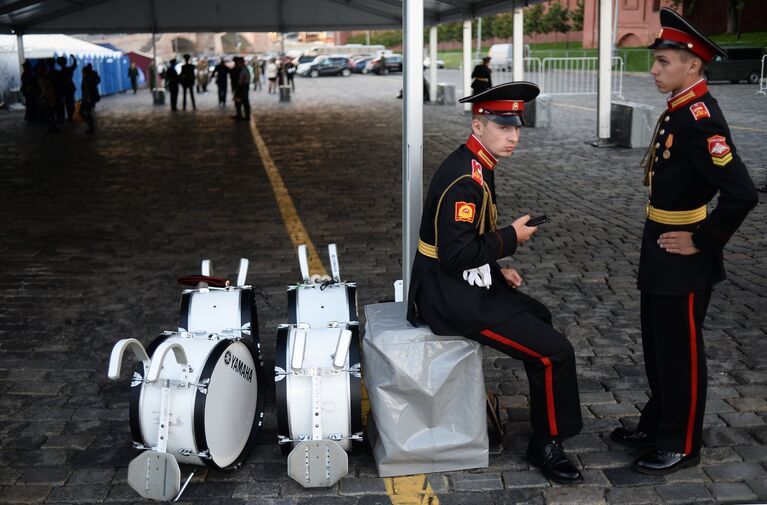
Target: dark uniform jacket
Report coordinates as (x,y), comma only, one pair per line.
(482,80)
(458,232)
(691,158)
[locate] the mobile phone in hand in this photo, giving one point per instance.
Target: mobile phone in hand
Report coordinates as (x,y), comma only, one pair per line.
(536,221)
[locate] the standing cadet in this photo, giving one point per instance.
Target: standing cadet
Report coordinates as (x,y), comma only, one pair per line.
(481,76)
(691,158)
(457,287)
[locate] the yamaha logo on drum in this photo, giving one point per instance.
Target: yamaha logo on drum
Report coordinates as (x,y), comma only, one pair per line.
(238,366)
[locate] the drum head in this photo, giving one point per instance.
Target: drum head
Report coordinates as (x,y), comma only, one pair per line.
(228,416)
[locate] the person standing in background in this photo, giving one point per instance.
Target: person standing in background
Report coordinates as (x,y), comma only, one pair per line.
(203,75)
(220,73)
(481,76)
(187,80)
(68,88)
(171,77)
(256,66)
(133,76)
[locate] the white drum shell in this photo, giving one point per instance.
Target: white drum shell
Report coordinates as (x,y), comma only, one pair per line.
(230,408)
(335,389)
(213,310)
(317,306)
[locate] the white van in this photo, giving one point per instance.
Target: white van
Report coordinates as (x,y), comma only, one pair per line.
(502,55)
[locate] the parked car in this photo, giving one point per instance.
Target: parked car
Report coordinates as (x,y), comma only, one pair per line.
(741,63)
(358,65)
(427,63)
(393,64)
(303,62)
(329,65)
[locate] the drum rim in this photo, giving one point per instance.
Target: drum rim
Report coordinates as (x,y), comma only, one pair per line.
(200,398)
(134,404)
(355,383)
(281,388)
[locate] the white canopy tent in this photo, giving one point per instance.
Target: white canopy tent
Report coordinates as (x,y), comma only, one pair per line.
(152,16)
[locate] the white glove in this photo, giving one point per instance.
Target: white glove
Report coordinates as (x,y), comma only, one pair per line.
(479,276)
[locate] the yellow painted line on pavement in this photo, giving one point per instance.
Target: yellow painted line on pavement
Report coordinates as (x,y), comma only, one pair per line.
(410,490)
(748,129)
(296,230)
(576,107)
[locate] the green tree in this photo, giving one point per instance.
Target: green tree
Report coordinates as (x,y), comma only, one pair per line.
(503,25)
(557,19)
(576,16)
(534,20)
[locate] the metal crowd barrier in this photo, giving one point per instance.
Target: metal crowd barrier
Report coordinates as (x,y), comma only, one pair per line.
(564,76)
(763,78)
(578,76)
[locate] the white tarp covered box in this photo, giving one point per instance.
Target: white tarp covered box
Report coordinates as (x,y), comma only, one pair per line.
(427,396)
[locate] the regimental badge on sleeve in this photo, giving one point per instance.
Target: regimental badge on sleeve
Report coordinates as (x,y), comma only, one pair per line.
(721,154)
(464,211)
(699,110)
(476,172)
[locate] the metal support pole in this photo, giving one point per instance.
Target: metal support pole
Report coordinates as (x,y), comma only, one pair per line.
(467,67)
(20,50)
(433,64)
(479,39)
(412,124)
(518,41)
(605,71)
(156,82)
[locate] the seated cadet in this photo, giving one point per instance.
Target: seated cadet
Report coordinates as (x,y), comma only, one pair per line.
(457,287)
(691,159)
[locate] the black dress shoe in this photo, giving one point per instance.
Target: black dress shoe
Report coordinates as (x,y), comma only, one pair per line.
(633,438)
(553,462)
(660,462)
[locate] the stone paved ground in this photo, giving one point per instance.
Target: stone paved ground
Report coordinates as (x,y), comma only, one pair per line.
(94,230)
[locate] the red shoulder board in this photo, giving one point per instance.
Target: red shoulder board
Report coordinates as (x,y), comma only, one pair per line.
(699,110)
(476,172)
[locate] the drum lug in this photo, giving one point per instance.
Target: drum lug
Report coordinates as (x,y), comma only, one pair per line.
(336,437)
(140,446)
(189,452)
(279,374)
(333,324)
(202,387)
(355,370)
(357,437)
(136,380)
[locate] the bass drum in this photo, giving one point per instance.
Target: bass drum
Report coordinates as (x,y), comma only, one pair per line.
(341,394)
(215,418)
(318,304)
(220,310)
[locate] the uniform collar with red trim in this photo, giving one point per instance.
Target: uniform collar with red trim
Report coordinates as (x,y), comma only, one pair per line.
(686,96)
(481,152)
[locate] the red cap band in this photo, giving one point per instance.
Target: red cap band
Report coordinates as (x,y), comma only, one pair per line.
(694,44)
(495,106)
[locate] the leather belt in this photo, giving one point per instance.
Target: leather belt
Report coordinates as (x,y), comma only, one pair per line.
(482,79)
(676,217)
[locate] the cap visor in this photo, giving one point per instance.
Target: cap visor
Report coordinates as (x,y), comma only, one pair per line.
(507,120)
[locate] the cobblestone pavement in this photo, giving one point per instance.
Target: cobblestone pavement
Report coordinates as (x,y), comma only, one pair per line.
(94,230)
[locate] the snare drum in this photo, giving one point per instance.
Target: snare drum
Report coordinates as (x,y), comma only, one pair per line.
(318,304)
(230,310)
(215,400)
(339,390)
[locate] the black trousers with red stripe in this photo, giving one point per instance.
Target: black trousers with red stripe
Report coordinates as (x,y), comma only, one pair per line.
(675,363)
(555,407)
